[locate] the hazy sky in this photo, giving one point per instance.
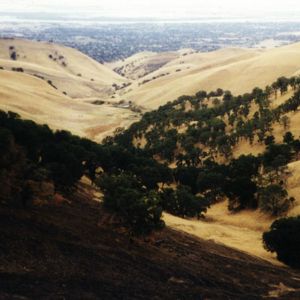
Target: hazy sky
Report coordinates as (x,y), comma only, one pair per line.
(158,8)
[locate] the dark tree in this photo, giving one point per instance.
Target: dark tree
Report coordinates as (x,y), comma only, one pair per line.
(284,239)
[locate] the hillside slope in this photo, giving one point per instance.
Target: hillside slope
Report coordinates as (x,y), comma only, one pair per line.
(69,70)
(144,63)
(238,70)
(69,251)
(242,231)
(204,140)
(34,99)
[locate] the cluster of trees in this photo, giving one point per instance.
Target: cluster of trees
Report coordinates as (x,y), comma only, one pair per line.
(130,180)
(31,152)
(12,168)
(141,207)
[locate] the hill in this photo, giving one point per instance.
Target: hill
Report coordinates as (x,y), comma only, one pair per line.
(144,63)
(235,69)
(41,82)
(69,70)
(35,99)
(209,137)
(75,235)
(69,251)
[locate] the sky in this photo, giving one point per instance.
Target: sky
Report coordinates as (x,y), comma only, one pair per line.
(159,8)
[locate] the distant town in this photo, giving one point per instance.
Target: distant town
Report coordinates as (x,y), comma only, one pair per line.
(107,42)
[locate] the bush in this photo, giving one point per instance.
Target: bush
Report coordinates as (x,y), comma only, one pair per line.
(125,195)
(284,239)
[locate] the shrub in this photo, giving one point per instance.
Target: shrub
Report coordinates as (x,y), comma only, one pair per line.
(13,55)
(284,239)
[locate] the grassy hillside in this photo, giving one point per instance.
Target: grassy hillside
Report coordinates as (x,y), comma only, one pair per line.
(141,64)
(35,99)
(57,85)
(195,137)
(240,148)
(69,70)
(237,70)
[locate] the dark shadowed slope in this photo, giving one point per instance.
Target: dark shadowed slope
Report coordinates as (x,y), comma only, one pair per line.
(65,252)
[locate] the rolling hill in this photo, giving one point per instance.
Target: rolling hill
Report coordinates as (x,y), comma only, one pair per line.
(144,63)
(69,70)
(49,90)
(234,69)
(34,99)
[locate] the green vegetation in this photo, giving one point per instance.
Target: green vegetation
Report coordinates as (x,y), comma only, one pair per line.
(284,239)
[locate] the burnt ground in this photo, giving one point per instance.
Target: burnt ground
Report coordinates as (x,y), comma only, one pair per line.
(64,251)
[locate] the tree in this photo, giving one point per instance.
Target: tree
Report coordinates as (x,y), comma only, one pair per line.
(181,202)
(125,195)
(201,95)
(288,138)
(13,55)
(284,239)
(241,193)
(282,84)
(285,122)
(269,140)
(187,176)
(274,199)
(216,102)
